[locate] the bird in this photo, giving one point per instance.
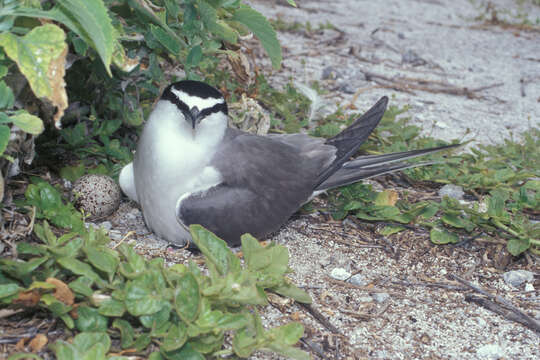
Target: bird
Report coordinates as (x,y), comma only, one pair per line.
(190,167)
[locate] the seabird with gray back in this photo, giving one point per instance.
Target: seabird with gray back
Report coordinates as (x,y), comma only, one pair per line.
(191,168)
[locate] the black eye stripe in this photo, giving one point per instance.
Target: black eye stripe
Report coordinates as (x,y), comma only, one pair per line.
(168,95)
(214,109)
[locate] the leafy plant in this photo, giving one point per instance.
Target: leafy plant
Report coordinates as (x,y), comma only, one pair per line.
(103,293)
(501,177)
(108,60)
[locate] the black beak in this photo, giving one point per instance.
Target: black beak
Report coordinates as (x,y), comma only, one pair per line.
(194,112)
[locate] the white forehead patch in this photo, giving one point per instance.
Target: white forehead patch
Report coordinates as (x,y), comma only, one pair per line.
(192,101)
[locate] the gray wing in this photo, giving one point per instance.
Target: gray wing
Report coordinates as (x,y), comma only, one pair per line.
(265,180)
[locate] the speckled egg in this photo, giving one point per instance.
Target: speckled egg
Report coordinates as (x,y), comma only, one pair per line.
(97,195)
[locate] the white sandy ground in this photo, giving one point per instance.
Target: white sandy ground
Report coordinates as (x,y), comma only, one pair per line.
(439,32)
(416,322)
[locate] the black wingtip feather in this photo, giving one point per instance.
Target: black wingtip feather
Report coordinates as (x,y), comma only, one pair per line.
(350,139)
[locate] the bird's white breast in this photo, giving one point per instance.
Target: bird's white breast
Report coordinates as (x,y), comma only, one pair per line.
(172,161)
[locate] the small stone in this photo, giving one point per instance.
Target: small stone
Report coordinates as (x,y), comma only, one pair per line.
(97,195)
(347,88)
(381,297)
(131,216)
(401,36)
(490,351)
(106,225)
(411,57)
(442,124)
(340,274)
(364,299)
(517,277)
(331,73)
(358,280)
(451,190)
(529,287)
(481,322)
(115,235)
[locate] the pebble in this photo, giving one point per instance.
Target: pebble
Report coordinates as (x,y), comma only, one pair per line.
(365,299)
(442,124)
(411,57)
(529,287)
(347,88)
(517,277)
(451,190)
(331,72)
(358,280)
(380,297)
(115,235)
(490,351)
(481,322)
(340,274)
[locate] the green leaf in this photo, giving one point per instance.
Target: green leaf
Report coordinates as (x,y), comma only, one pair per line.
(142,298)
(82,286)
(185,353)
(263,30)
(169,42)
(441,237)
(92,23)
(194,57)
(28,123)
(176,337)
(142,342)
(214,250)
(112,308)
(457,222)
(86,340)
(390,229)
(126,332)
(274,259)
(8,290)
(292,291)
(89,319)
(64,350)
(79,268)
(34,54)
(103,259)
(72,173)
(187,297)
(288,334)
(517,246)
(6,96)
(157,320)
(429,211)
(4,138)
(24,356)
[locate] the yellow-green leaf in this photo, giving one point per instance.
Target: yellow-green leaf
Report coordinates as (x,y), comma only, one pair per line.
(28,123)
(34,53)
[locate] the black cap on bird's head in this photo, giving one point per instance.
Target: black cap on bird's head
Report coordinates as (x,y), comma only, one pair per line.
(195,99)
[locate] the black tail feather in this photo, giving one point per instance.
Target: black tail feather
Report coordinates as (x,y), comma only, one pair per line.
(368,166)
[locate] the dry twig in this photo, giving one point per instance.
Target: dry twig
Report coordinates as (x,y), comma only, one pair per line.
(499,305)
